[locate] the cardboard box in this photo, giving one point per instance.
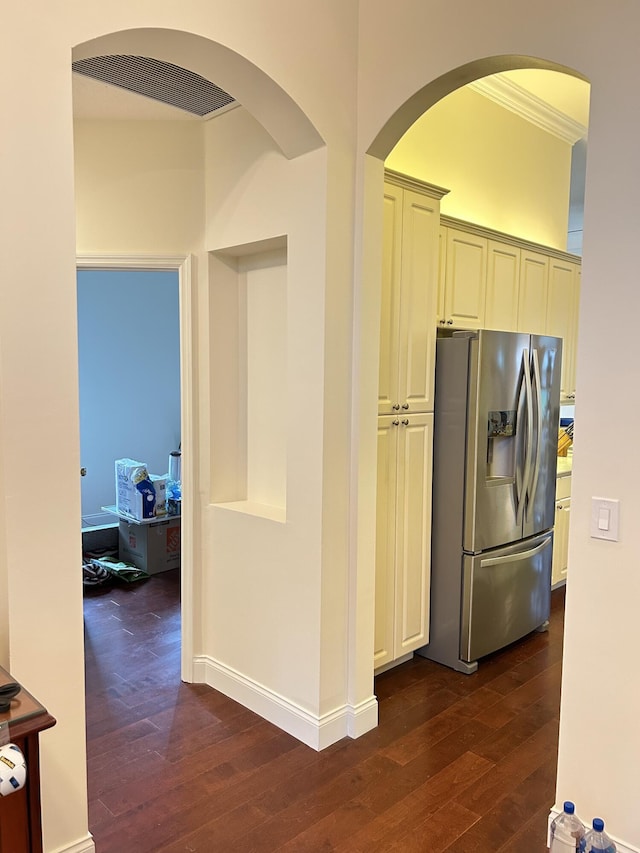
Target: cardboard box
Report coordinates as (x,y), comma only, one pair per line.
(153,547)
(136,495)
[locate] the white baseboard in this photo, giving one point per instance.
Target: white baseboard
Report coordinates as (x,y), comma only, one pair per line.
(317,732)
(621,847)
(85,845)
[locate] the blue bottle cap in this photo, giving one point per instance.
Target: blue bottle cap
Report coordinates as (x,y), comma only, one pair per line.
(569,807)
(598,824)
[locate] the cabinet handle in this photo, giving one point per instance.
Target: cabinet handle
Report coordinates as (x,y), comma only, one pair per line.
(441,322)
(449,322)
(395,407)
(405,422)
(395,423)
(405,405)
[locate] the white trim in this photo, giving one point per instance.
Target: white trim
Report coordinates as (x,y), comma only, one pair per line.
(621,847)
(187,285)
(513,97)
(130,262)
(362,718)
(85,845)
(183,264)
(316,732)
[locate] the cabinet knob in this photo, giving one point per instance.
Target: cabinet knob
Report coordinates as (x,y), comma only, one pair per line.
(395,407)
(405,405)
(441,322)
(395,423)
(449,322)
(405,422)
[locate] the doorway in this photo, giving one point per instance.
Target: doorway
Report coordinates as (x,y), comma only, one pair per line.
(129,377)
(456,143)
(174,276)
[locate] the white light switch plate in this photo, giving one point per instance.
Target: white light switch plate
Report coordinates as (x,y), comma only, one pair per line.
(605,519)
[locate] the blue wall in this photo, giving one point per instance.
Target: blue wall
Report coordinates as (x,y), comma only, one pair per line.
(129,362)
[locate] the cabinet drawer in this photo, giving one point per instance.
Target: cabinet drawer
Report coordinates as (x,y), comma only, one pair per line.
(563,487)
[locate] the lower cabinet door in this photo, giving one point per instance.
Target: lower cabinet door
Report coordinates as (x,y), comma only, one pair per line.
(561,541)
(383,650)
(403,535)
(413,533)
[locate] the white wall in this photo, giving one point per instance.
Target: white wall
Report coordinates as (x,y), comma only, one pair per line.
(285,43)
(129,377)
(139,186)
(4,580)
(599,744)
(253,195)
(484,154)
(308,48)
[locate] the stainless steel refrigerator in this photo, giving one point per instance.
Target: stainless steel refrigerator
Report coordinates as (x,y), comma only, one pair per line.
(497,407)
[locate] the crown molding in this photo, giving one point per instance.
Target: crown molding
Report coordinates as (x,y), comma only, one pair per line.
(513,97)
(399,179)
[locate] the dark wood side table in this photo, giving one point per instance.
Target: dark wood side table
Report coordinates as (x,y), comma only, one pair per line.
(20,820)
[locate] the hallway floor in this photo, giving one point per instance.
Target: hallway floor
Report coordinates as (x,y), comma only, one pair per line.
(462,764)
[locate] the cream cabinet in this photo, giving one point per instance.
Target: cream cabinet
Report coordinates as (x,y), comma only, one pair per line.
(409,298)
(533,292)
(517,289)
(562,318)
(403,535)
(463,285)
(561,531)
(493,281)
(503,286)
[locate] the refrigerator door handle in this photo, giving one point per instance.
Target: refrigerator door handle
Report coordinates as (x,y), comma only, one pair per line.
(522,555)
(538,432)
(526,478)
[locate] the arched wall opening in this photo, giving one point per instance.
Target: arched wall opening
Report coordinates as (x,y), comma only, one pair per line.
(226,195)
(261,96)
(373,175)
(258,257)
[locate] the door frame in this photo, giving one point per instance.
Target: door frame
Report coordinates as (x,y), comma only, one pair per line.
(183,264)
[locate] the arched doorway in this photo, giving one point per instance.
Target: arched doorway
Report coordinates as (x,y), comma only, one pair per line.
(385,143)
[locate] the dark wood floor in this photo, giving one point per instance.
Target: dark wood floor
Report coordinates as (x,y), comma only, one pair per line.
(463,764)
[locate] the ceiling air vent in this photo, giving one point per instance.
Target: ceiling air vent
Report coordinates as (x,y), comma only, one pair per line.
(161,81)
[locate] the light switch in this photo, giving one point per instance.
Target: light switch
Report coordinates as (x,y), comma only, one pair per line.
(605,518)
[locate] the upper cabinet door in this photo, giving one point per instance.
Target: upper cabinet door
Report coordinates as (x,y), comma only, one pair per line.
(465,280)
(409,297)
(418,299)
(503,275)
(534,288)
(562,310)
(390,306)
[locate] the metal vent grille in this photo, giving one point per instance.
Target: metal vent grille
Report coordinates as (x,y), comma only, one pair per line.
(162,81)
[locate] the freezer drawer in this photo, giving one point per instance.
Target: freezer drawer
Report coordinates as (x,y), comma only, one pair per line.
(506,594)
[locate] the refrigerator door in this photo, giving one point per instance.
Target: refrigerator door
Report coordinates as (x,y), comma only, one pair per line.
(539,504)
(495,455)
(506,594)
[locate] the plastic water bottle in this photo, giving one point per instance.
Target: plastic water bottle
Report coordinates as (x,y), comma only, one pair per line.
(567,831)
(597,840)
